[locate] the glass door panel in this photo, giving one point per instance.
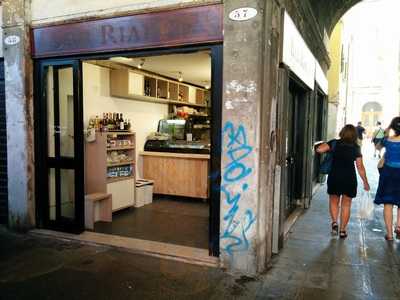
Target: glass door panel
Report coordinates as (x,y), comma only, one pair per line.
(62,132)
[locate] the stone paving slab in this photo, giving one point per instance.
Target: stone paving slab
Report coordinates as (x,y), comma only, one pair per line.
(313,265)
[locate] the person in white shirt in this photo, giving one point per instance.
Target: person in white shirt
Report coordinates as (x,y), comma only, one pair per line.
(377,139)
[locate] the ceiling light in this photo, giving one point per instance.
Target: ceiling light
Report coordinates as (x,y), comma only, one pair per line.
(140,65)
(121,59)
(180,78)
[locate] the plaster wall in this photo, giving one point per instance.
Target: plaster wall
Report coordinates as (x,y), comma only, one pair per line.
(1,30)
(44,11)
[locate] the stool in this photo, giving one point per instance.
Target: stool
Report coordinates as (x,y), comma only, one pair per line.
(98,207)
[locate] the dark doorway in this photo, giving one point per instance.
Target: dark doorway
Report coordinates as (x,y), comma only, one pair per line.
(318,132)
(297,109)
(3,151)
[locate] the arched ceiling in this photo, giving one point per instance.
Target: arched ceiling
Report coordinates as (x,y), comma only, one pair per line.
(329,12)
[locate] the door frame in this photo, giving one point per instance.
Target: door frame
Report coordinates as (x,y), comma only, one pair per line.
(41,148)
(279,218)
(216,126)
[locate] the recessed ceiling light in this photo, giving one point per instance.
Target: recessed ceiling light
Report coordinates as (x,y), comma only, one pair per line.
(180,78)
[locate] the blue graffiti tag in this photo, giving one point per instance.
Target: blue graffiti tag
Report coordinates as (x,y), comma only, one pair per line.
(237,149)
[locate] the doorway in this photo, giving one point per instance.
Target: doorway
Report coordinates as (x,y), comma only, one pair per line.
(60,155)
(295,160)
(318,133)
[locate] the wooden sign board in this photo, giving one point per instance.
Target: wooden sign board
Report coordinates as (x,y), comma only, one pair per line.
(185,26)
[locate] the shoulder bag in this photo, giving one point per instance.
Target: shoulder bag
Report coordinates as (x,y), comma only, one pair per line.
(326,165)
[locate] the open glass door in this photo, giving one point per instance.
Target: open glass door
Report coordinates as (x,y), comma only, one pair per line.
(59,142)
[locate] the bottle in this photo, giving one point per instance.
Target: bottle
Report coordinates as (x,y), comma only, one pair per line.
(125,125)
(97,123)
(129,124)
(121,122)
(109,123)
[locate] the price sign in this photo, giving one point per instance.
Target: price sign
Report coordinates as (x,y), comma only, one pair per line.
(12,40)
(243,14)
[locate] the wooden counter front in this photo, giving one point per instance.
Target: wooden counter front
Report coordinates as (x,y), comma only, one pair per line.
(177,174)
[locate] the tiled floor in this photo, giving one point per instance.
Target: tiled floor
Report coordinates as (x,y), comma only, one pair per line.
(181,222)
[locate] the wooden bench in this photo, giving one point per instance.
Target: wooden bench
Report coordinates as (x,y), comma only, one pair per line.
(98,207)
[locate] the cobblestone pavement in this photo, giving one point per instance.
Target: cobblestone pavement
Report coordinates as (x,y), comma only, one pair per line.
(313,265)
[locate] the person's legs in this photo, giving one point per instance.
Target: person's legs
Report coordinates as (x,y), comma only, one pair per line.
(334,207)
(345,212)
(388,216)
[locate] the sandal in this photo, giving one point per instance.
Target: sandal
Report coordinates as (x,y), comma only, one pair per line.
(335,228)
(397,232)
(389,239)
(343,234)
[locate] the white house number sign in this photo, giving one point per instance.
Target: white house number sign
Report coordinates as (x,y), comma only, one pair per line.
(12,40)
(243,14)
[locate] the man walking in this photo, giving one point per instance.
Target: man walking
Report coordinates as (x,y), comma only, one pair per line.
(360,133)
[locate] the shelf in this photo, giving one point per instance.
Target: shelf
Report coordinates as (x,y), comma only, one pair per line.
(120,133)
(161,101)
(128,162)
(120,148)
(116,179)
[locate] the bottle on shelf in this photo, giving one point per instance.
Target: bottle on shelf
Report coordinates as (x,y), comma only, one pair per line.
(121,122)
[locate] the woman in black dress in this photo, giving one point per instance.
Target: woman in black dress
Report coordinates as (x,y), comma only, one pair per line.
(342,179)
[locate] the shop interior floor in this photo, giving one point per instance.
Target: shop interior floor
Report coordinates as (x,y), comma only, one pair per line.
(180,222)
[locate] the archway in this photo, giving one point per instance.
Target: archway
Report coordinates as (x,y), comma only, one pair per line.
(371,113)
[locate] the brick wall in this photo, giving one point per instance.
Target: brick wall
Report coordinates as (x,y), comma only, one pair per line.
(3,151)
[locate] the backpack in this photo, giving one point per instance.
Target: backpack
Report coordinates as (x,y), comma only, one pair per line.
(326,164)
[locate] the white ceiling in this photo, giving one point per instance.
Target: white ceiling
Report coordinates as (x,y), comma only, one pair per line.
(195,67)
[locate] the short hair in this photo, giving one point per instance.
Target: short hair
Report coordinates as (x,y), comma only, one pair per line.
(378,123)
(359,123)
(348,134)
(395,125)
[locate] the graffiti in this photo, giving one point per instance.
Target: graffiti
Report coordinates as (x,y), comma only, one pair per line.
(238,223)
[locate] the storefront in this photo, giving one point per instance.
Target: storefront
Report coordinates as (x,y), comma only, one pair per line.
(126,98)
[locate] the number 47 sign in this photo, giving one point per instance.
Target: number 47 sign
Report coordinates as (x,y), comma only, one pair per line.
(243,14)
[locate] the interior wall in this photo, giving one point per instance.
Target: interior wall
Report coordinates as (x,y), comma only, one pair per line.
(97,99)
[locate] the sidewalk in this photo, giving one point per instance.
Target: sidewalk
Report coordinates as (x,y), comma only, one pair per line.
(313,265)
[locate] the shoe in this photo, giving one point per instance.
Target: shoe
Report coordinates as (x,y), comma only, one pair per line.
(335,228)
(388,238)
(343,234)
(397,232)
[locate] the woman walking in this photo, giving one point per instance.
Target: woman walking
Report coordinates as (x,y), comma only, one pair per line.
(389,180)
(342,178)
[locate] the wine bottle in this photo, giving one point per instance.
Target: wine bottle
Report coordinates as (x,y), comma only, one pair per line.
(121,122)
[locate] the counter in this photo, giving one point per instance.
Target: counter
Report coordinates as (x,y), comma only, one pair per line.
(177,174)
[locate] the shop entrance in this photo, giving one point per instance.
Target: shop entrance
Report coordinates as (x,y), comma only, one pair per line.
(128,144)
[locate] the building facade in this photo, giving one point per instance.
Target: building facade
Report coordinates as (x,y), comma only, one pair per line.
(268,68)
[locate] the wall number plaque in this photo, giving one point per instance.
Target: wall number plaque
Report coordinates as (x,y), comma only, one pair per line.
(12,40)
(243,14)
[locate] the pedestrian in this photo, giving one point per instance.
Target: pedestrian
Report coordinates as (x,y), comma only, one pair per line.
(377,139)
(360,133)
(389,180)
(342,178)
